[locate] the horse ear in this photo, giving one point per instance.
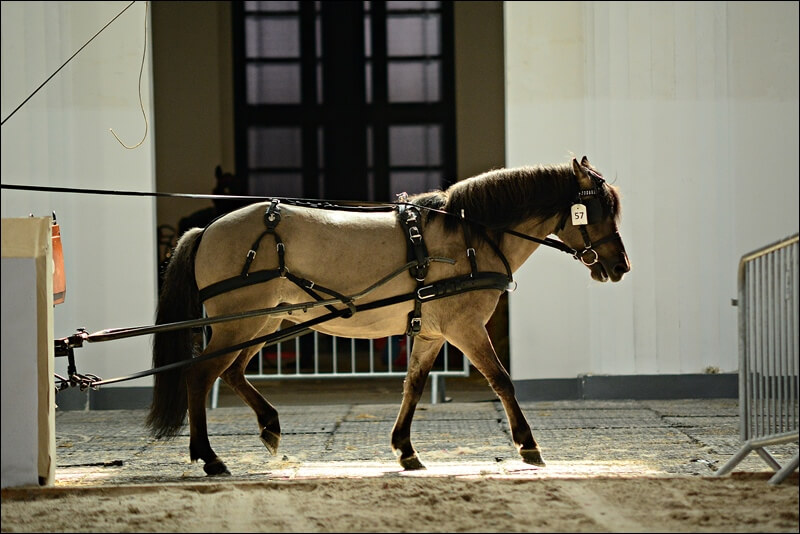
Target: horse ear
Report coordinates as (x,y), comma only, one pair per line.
(584,180)
(218,172)
(585,162)
(576,167)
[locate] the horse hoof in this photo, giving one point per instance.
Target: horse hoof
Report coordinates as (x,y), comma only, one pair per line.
(532,456)
(216,468)
(270,441)
(412,463)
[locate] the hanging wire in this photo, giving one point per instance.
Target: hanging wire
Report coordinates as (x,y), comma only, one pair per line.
(65,63)
(141,105)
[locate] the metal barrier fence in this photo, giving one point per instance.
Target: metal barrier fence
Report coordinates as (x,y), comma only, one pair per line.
(768,353)
(316,355)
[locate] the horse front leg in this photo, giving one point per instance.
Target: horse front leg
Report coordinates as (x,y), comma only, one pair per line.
(477,346)
(267,416)
(423,354)
(199,379)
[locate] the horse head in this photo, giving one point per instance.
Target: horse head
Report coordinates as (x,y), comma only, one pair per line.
(590,227)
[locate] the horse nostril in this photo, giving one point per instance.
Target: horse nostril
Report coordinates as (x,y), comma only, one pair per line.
(622,268)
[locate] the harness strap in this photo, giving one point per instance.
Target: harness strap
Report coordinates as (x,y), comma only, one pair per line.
(500,255)
(308,285)
(462,284)
(268,340)
(468,242)
(272,216)
(440,289)
(411,220)
(236,282)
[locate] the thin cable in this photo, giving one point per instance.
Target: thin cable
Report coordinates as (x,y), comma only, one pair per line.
(65,63)
(141,105)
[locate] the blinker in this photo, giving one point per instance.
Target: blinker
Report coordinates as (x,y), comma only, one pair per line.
(594,210)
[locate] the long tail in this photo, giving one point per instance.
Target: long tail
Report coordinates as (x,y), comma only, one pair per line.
(179,300)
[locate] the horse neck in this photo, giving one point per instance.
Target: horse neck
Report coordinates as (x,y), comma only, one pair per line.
(518,250)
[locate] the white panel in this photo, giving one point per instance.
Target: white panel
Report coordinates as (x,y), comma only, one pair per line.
(20,393)
(691,110)
(61,138)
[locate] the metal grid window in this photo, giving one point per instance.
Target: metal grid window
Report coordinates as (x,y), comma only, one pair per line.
(344,100)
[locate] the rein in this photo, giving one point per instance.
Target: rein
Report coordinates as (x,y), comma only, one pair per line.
(343,205)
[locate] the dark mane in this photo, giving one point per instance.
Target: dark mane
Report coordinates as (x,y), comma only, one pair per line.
(500,198)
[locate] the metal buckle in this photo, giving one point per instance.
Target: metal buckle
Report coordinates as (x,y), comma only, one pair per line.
(415,325)
(414,234)
(426,292)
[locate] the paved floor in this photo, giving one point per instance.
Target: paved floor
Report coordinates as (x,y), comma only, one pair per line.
(684,437)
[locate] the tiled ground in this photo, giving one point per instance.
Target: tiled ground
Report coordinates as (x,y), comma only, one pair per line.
(578,438)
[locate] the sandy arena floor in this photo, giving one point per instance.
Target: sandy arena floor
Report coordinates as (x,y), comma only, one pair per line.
(613,466)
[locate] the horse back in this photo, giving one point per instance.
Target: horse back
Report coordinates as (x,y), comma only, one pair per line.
(343,250)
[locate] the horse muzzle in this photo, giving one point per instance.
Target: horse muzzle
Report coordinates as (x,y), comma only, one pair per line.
(603,270)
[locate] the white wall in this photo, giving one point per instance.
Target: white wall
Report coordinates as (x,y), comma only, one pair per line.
(60,138)
(692,110)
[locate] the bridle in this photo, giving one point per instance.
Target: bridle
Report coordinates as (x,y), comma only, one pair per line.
(589,200)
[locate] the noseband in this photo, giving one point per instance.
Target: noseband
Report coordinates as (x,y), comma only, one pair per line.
(590,247)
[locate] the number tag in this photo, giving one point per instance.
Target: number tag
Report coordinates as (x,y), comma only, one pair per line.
(578,214)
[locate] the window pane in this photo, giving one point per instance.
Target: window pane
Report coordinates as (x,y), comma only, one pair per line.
(416,81)
(274,147)
(265,184)
(403,5)
(414,182)
(318,35)
(367,37)
(270,6)
(273,84)
(413,35)
(368,81)
(319,82)
(273,37)
(418,146)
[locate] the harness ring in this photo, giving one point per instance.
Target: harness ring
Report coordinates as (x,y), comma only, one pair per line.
(583,252)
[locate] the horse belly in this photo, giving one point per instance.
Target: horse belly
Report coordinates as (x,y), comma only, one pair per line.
(371,324)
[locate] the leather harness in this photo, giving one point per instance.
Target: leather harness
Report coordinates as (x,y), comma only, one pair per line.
(411,222)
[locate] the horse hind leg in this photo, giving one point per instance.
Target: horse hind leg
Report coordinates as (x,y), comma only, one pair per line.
(423,354)
(199,379)
(478,348)
(267,416)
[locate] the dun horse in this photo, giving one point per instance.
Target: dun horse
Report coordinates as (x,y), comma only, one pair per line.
(460,246)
